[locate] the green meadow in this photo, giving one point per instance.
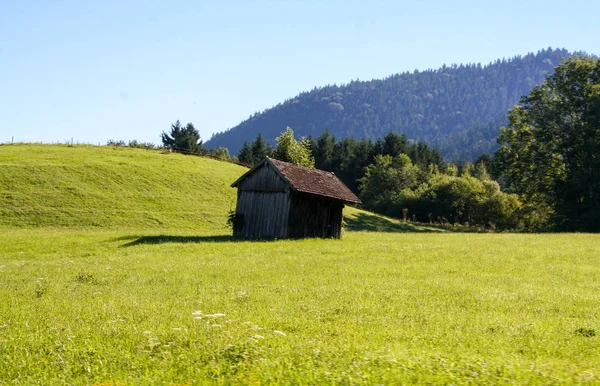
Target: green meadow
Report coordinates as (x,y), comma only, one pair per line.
(116,268)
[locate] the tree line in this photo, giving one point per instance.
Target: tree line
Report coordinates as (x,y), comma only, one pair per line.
(347,157)
(186,140)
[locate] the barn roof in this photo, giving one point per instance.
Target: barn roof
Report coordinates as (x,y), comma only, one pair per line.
(308,180)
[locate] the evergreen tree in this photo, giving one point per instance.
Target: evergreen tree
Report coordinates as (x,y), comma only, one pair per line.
(480,172)
(245,154)
(258,149)
(467,169)
(394,144)
(183,139)
(323,150)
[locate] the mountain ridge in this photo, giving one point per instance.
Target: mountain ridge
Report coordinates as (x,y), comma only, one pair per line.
(458,108)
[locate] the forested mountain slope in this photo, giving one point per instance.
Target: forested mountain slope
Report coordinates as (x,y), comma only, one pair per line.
(458,108)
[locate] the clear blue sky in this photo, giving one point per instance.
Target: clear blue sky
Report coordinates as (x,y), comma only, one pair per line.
(115,69)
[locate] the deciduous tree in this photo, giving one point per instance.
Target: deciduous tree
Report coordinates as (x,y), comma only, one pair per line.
(550,151)
(293,151)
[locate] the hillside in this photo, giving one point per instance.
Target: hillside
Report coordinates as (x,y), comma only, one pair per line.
(458,108)
(89,186)
(108,187)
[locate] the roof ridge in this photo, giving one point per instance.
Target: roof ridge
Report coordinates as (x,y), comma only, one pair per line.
(302,166)
(307,180)
(319,182)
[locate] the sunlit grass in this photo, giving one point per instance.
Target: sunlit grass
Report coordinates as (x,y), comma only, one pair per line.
(92,186)
(145,307)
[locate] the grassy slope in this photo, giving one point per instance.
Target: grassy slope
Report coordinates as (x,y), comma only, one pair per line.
(89,186)
(360,220)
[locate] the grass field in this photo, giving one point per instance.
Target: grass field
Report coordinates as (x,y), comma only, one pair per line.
(132,301)
(149,308)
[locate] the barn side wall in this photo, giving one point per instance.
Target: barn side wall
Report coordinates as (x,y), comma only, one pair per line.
(263,202)
(264,214)
(314,216)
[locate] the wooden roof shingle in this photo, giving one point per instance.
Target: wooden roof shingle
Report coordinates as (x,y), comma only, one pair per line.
(308,180)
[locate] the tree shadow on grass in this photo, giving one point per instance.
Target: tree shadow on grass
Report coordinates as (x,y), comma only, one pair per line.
(164,239)
(374,223)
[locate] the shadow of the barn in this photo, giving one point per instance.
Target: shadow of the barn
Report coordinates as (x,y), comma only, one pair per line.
(165,239)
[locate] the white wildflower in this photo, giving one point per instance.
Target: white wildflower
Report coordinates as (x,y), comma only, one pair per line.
(279,332)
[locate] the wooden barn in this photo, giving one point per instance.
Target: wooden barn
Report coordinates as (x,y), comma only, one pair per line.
(281,200)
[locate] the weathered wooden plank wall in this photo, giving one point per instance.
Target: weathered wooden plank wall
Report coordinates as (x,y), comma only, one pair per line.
(336,219)
(265,214)
(314,216)
(263,201)
(264,179)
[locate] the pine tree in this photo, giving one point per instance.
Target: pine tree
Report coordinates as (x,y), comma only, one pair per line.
(258,149)
(183,139)
(245,154)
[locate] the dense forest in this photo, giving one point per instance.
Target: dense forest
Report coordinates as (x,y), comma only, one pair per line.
(459,108)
